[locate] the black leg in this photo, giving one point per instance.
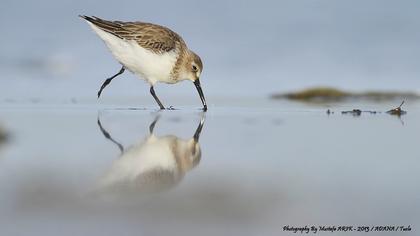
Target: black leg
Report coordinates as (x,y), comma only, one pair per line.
(107,81)
(152,91)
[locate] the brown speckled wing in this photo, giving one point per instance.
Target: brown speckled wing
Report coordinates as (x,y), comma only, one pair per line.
(153,37)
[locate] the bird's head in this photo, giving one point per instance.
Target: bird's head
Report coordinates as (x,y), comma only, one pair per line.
(193,67)
(192,71)
(192,154)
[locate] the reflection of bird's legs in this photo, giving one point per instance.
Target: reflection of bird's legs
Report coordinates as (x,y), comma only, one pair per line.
(152,125)
(200,127)
(108,136)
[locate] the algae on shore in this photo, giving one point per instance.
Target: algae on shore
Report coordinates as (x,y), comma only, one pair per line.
(397,111)
(328,94)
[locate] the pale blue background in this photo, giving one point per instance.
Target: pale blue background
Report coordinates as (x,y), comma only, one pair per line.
(249,48)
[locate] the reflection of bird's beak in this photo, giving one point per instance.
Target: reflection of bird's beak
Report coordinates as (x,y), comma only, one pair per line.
(200,92)
(198,130)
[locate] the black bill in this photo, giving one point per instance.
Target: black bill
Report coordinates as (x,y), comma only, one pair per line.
(200,92)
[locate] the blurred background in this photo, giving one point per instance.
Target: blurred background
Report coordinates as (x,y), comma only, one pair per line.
(260,164)
(249,48)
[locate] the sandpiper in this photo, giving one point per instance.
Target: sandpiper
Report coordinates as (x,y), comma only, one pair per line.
(152,52)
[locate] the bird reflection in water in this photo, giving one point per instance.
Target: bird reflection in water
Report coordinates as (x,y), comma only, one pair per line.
(152,165)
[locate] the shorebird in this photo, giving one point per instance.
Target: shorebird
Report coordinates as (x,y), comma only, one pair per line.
(152,52)
(151,165)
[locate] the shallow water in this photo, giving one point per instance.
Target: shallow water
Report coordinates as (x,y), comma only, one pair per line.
(257,169)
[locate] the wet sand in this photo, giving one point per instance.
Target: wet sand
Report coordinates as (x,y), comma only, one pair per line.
(252,170)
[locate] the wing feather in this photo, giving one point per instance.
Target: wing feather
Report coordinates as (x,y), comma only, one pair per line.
(153,37)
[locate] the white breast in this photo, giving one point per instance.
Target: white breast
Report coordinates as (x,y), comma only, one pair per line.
(145,63)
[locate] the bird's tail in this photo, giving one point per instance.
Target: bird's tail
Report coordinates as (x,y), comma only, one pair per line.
(108,26)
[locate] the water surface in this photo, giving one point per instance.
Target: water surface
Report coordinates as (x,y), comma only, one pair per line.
(251,170)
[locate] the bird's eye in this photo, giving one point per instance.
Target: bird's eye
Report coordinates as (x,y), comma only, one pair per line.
(194,68)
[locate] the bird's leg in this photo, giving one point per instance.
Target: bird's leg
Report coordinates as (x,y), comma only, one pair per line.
(152,91)
(107,81)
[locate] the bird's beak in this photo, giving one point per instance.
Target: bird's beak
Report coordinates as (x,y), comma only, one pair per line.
(200,92)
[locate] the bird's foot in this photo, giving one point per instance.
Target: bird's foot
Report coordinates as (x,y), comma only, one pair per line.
(170,108)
